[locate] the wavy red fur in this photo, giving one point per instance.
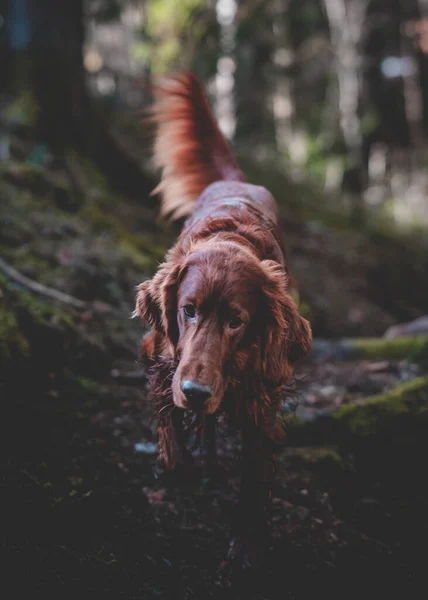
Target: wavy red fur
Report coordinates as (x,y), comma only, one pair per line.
(189,147)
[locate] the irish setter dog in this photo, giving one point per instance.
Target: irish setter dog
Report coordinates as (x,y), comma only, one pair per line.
(225,332)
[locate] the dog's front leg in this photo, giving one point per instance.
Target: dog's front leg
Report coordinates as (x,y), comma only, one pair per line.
(172,450)
(250,525)
(208,443)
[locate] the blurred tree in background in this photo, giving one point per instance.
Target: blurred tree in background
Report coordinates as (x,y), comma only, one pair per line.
(333,90)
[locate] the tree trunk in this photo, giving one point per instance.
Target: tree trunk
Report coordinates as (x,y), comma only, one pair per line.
(253,53)
(58,75)
(282,97)
(15,33)
(346,21)
(67,115)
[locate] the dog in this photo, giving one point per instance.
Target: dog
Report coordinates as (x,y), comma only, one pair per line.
(226,334)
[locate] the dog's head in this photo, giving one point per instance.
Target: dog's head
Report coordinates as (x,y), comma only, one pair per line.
(221,312)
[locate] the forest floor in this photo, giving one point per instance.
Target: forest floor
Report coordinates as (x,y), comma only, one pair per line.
(83,514)
(85,517)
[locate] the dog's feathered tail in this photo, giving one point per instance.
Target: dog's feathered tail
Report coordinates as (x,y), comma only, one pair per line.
(189,148)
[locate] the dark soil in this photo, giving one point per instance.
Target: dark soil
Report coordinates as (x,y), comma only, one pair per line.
(85,517)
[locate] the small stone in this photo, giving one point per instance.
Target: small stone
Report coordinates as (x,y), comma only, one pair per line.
(145,447)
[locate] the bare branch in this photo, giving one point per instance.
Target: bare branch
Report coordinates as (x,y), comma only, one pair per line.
(38,288)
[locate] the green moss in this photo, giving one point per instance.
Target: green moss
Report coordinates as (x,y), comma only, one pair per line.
(85,385)
(387,414)
(91,174)
(413,349)
(42,314)
(365,418)
(147,245)
(25,319)
(143,251)
(144,261)
(32,177)
(51,337)
(13,343)
(313,455)
(23,108)
(29,261)
(97,216)
(84,392)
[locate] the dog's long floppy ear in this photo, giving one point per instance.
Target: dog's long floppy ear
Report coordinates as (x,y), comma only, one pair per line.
(146,305)
(288,336)
(157,303)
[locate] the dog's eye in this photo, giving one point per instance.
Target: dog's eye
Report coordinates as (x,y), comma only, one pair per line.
(235,323)
(189,311)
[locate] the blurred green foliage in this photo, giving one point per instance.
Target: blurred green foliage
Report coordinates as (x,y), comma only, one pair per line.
(171,35)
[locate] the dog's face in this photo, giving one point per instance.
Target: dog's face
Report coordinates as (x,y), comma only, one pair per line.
(222,312)
(218,300)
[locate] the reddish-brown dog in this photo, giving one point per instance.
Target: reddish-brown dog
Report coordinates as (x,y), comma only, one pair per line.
(225,332)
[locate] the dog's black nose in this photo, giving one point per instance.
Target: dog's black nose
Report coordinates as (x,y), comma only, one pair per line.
(196,393)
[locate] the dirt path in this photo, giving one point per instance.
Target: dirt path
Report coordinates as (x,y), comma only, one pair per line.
(86,518)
